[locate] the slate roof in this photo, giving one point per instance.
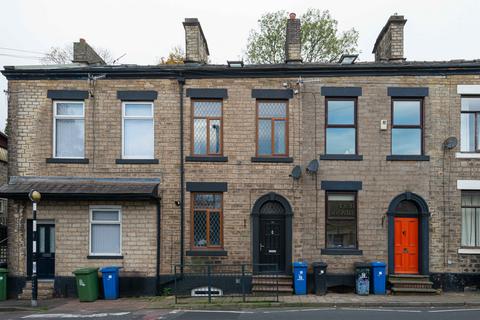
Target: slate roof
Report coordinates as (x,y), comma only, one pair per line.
(82,188)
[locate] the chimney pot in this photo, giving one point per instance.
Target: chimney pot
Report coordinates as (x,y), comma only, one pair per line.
(293,16)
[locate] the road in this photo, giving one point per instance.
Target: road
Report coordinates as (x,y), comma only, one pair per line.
(264,314)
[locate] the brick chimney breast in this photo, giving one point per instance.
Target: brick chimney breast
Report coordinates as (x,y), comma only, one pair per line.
(196,47)
(83,53)
(293,43)
(389,44)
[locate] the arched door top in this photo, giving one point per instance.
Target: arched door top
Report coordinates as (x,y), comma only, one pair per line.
(272,197)
(419,202)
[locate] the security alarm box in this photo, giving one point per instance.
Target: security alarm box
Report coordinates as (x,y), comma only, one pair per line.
(383,124)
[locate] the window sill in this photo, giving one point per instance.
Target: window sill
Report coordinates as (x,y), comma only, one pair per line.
(207,253)
(341,252)
(469,250)
(67,160)
(272,159)
(206,159)
(346,157)
(466,155)
(105,257)
(136,161)
(408,158)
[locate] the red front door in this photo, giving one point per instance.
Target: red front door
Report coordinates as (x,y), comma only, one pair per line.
(406,245)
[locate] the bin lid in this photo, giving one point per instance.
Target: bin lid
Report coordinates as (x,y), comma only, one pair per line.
(361,265)
(85,271)
(378,264)
(110,269)
(319,264)
(299,264)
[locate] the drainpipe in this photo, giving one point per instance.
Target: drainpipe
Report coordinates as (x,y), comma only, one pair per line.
(157,274)
(181,82)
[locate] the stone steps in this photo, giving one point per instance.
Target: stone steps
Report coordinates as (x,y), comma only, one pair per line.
(45,290)
(411,284)
(267,284)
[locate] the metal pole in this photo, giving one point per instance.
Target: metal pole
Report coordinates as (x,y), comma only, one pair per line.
(34,256)
(209,280)
(243,282)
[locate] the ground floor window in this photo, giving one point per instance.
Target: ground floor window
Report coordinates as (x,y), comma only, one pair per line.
(207,220)
(341,222)
(470,219)
(105,231)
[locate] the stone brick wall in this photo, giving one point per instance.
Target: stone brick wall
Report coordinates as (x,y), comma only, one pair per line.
(389,46)
(196,48)
(434,180)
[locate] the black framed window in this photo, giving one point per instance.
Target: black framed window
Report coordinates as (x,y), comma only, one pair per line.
(341,126)
(407,127)
(341,220)
(470,120)
(207,220)
(470,219)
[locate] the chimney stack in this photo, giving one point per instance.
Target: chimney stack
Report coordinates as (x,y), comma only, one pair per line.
(293,43)
(389,44)
(196,48)
(83,53)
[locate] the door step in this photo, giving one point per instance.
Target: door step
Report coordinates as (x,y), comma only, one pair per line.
(45,290)
(270,284)
(412,284)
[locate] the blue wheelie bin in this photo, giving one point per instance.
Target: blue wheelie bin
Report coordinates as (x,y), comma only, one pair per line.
(110,282)
(300,277)
(379,277)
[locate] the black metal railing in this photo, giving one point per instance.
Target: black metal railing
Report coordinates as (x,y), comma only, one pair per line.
(217,281)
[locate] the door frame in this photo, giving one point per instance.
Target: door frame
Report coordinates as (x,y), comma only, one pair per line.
(28,246)
(423,230)
(255,220)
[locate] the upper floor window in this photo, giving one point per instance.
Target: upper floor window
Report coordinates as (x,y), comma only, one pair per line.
(272,128)
(470,219)
(207,220)
(341,226)
(138,134)
(68,129)
(340,132)
(470,134)
(407,127)
(207,127)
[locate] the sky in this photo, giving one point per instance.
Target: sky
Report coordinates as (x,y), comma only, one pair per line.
(146,30)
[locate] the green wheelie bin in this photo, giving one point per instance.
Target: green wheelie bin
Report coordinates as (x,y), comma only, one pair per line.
(87,284)
(3,284)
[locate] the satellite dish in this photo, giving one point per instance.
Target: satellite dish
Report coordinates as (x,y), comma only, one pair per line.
(313,166)
(450,143)
(296,172)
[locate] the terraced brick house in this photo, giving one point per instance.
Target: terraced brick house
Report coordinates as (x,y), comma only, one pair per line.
(148,167)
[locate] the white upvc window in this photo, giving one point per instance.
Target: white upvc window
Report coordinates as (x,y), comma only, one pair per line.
(105,231)
(137,128)
(68,129)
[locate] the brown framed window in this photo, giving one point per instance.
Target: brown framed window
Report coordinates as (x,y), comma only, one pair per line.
(470,121)
(207,220)
(470,219)
(272,128)
(207,131)
(341,220)
(341,126)
(407,127)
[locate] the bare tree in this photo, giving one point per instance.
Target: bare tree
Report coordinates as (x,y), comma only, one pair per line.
(64,55)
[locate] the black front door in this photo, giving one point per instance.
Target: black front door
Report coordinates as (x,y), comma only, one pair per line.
(45,250)
(272,242)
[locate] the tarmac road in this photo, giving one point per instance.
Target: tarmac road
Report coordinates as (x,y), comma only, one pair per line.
(262,314)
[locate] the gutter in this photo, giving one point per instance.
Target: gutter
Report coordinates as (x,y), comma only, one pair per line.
(181,82)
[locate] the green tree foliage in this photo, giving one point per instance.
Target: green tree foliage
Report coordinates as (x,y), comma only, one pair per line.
(321,40)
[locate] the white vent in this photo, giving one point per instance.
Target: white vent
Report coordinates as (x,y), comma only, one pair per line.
(203,292)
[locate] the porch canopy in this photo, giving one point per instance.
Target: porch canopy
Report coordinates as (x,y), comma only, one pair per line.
(81,188)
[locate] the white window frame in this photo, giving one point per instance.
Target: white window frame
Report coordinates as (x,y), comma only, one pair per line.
(91,222)
(137,118)
(69,117)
